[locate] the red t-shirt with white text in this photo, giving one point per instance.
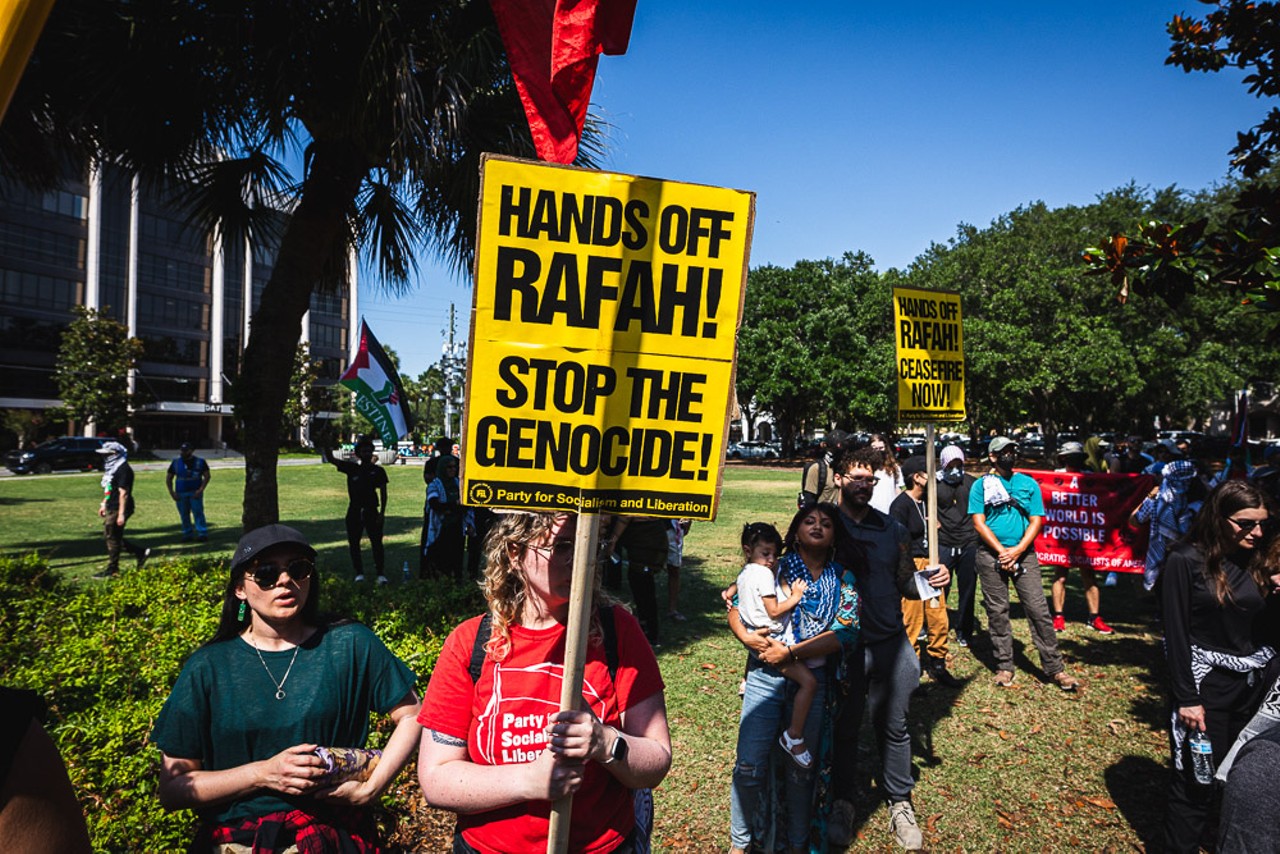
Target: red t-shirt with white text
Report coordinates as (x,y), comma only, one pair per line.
(504,714)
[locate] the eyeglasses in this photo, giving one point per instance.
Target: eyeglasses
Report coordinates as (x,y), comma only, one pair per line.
(852,479)
(267,575)
(1246,526)
(562,549)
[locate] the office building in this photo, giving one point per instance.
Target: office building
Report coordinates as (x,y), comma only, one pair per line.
(104,241)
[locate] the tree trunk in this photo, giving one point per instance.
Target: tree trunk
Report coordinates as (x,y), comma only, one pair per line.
(318,222)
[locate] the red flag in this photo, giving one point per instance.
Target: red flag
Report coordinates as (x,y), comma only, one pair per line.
(553,47)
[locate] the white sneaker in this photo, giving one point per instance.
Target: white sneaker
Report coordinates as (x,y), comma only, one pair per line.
(902,821)
(359,578)
(382,579)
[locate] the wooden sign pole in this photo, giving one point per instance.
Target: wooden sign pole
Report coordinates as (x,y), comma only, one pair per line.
(585,554)
(931,499)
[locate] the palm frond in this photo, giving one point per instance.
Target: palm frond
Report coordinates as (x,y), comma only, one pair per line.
(386,229)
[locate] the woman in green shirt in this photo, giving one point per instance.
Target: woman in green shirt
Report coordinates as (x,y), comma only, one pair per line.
(240,731)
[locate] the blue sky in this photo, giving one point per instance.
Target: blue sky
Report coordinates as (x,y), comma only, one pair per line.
(882,127)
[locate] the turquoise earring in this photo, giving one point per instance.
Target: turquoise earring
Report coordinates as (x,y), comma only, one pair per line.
(240,618)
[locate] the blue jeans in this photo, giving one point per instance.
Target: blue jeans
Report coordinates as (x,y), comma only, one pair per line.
(766,711)
(188,506)
(882,675)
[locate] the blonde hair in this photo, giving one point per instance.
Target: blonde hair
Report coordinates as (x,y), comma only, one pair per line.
(504,584)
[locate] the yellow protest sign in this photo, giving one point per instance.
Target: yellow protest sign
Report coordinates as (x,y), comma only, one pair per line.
(603,341)
(929,346)
(20,24)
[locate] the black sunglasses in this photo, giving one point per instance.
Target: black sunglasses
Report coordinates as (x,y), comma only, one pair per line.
(267,575)
(1247,525)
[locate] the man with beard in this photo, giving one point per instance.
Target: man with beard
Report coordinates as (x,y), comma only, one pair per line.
(883,667)
(1008,513)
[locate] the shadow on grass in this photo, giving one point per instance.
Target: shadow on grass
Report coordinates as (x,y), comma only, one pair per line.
(1138,785)
(10,501)
(161,532)
(982,648)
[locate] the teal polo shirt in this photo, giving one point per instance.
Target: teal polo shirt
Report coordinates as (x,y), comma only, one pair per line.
(1006,521)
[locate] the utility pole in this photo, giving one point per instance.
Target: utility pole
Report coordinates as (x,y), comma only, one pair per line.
(452,361)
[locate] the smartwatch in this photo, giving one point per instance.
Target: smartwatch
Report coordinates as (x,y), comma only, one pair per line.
(619,749)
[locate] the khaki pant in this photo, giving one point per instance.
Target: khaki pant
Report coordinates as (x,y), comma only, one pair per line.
(932,615)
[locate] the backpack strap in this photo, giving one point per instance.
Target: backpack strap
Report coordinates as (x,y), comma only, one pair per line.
(609,633)
(607,629)
(477,649)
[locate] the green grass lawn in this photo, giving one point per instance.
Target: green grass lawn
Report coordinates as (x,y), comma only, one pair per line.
(1028,768)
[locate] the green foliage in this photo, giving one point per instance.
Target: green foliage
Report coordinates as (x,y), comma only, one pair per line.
(814,347)
(1171,257)
(104,657)
(428,411)
(93,366)
(1238,34)
(25,424)
(302,401)
(1044,340)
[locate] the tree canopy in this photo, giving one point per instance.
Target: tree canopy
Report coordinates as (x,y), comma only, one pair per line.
(1044,340)
(1238,252)
(92,370)
(808,348)
(391,103)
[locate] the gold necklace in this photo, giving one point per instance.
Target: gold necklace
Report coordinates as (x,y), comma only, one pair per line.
(280,695)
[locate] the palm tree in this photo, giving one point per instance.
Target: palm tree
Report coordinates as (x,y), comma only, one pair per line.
(391,102)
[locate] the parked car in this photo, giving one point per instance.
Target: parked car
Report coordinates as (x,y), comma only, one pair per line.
(67,452)
(753,449)
(908,446)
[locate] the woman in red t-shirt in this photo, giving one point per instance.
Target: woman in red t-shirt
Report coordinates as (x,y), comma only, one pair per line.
(495,748)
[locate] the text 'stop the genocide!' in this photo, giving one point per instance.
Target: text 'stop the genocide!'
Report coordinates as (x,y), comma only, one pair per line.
(603,340)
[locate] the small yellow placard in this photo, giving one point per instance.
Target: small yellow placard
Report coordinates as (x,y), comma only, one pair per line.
(929,346)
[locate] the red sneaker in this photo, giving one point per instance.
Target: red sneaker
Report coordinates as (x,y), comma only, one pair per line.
(1059,623)
(1100,627)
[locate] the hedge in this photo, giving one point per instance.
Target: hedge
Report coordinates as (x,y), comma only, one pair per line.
(104,656)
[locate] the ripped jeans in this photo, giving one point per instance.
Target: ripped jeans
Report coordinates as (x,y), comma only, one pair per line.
(766,711)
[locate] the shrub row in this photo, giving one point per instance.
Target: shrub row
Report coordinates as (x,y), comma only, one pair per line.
(104,656)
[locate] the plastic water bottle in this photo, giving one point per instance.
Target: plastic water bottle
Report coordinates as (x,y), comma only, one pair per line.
(1201,757)
(406,570)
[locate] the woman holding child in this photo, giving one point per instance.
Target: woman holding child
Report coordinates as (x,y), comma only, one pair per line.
(827,603)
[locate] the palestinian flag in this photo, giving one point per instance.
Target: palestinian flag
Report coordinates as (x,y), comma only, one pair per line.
(379,395)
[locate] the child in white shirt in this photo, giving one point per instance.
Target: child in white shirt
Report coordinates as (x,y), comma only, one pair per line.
(766,601)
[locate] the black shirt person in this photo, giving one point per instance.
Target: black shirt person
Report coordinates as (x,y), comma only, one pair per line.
(366,507)
(116,508)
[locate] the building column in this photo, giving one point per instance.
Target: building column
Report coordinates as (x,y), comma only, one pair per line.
(247,310)
(93,242)
(216,335)
(93,253)
(304,428)
(353,300)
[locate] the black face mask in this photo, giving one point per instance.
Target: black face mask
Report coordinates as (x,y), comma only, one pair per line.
(952,476)
(1006,461)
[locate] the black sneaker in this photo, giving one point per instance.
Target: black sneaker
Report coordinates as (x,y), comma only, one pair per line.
(938,673)
(105,573)
(142,558)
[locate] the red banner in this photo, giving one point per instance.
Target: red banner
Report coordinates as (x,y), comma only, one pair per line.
(1086,520)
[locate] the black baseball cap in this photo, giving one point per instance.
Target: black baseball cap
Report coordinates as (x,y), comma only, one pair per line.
(259,540)
(913,466)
